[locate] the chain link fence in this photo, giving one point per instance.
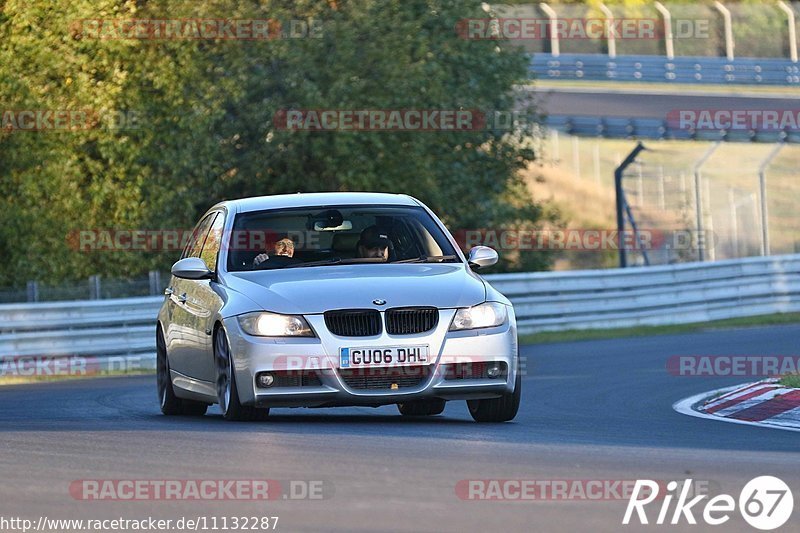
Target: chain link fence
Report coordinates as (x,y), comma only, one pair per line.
(92,288)
(662,187)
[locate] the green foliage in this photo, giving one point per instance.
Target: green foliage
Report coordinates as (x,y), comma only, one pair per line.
(205,129)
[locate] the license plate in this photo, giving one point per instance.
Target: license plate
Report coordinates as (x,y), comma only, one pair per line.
(381,357)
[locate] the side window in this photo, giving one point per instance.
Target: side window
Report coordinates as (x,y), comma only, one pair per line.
(211,246)
(195,244)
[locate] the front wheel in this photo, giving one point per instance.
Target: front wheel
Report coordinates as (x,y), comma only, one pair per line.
(171,404)
(500,409)
(227,394)
(421,407)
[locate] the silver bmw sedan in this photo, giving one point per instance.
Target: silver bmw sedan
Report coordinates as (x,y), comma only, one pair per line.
(333,299)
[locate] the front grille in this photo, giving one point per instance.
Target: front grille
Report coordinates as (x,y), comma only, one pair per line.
(476,370)
(384,378)
(354,322)
(410,320)
(296,378)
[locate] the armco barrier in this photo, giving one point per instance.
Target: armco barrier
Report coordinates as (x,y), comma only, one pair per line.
(659,69)
(544,301)
(659,295)
(653,128)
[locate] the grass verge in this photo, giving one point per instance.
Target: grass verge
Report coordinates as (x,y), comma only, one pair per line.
(641,331)
(18,380)
(792,380)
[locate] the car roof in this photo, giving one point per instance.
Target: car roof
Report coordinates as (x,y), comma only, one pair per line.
(316,199)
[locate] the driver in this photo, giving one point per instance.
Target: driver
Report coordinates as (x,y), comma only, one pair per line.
(374,244)
(284,247)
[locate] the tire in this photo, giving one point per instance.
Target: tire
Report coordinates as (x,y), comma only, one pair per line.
(422,407)
(171,405)
(227,393)
(500,409)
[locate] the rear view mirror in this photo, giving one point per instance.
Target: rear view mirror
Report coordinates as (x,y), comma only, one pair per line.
(345,225)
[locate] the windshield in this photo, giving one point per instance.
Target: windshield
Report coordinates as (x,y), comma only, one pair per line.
(325,236)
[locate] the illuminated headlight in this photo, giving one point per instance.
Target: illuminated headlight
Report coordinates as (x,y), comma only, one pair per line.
(275,325)
(485,315)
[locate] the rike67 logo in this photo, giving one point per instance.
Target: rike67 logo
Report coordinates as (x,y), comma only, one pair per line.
(766,503)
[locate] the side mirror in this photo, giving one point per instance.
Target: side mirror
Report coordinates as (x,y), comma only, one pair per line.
(191,268)
(482,257)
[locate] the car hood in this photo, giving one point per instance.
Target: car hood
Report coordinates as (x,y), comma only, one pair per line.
(318,289)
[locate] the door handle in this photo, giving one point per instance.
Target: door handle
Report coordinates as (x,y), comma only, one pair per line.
(168,291)
(182,298)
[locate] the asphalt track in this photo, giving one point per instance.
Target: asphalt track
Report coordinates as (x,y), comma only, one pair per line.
(595,410)
(599,102)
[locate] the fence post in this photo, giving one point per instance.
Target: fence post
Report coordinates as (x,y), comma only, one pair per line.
(155,282)
(611,39)
(94,287)
(551,14)
(597,163)
(734,211)
(576,156)
(762,189)
(792,29)
(621,202)
(726,18)
(698,200)
(33,291)
(669,46)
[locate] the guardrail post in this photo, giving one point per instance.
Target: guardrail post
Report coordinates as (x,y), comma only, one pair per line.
(786,8)
(620,193)
(33,291)
(669,44)
(698,200)
(726,18)
(762,193)
(611,39)
(555,49)
(94,287)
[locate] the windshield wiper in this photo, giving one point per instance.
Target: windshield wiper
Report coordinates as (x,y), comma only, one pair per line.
(428,259)
(331,261)
(338,261)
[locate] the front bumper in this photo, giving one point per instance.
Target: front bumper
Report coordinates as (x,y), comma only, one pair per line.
(253,355)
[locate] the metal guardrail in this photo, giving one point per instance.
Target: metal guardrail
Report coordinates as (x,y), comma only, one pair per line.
(653,128)
(660,69)
(87,328)
(660,295)
(544,301)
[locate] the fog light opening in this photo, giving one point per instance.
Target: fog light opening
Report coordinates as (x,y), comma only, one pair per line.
(494,371)
(265,379)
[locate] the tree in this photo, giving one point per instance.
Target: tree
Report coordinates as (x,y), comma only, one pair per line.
(207,128)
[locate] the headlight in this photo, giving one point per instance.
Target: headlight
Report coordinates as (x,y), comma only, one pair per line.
(485,315)
(275,325)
